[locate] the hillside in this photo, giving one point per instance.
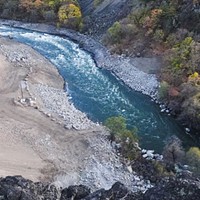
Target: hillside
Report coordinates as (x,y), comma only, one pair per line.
(60,13)
(99,15)
(165,29)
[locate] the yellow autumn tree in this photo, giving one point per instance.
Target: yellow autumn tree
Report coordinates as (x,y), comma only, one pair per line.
(70,15)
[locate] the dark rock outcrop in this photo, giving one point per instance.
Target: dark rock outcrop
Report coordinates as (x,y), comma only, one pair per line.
(147,169)
(75,192)
(174,189)
(117,192)
(18,188)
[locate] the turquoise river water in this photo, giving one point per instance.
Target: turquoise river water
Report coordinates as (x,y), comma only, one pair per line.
(98,93)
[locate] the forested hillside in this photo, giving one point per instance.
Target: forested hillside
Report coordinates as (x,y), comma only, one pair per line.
(59,12)
(169,29)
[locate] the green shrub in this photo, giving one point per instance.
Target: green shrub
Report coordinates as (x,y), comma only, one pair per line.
(115,32)
(163,90)
(183,49)
(161,170)
(158,35)
(182,61)
(167,20)
(115,124)
(120,133)
(193,159)
(171,40)
(138,16)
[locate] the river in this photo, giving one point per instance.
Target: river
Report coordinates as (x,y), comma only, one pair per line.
(98,93)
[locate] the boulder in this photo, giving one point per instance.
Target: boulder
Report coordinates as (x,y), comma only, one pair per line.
(117,192)
(150,153)
(75,192)
(18,188)
(144,151)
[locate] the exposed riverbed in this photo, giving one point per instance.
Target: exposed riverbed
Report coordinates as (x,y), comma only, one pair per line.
(98,93)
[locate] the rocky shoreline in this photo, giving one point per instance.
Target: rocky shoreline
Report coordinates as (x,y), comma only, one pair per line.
(58,104)
(127,70)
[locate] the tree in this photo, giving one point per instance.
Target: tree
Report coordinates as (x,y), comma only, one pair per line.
(27,4)
(9,9)
(116,125)
(122,135)
(173,152)
(70,15)
(54,4)
(193,159)
(115,32)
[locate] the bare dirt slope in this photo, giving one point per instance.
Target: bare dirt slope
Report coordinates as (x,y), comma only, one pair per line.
(33,143)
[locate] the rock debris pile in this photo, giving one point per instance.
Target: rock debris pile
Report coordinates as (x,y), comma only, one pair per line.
(103,170)
(150,155)
(57,103)
(133,77)
(17,57)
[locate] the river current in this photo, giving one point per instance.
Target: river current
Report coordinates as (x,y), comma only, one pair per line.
(98,93)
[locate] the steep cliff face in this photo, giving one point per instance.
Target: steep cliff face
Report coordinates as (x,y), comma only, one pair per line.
(100,15)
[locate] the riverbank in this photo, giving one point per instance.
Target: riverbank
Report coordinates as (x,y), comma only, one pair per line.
(48,138)
(29,131)
(127,70)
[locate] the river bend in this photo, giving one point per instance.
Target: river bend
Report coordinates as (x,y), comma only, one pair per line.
(97,92)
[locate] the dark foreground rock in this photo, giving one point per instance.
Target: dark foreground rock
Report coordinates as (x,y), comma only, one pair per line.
(118,191)
(75,192)
(18,188)
(174,189)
